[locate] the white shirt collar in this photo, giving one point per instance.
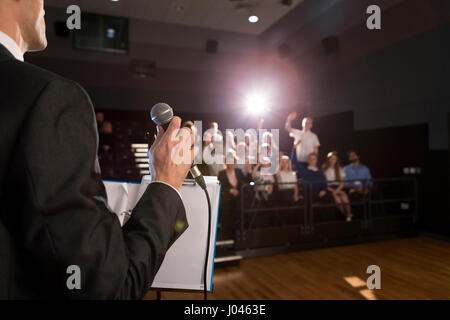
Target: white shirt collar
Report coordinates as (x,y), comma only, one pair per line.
(11,46)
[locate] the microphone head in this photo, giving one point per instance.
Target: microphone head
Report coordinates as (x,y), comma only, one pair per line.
(161,114)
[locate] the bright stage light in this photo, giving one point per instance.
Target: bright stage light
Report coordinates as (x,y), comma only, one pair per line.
(253,19)
(256,104)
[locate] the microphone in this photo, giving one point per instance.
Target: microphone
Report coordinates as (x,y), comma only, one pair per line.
(162,115)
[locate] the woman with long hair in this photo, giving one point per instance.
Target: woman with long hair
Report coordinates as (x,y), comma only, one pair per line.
(287,179)
(335,177)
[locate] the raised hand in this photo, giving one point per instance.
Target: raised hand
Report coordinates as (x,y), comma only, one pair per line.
(292,116)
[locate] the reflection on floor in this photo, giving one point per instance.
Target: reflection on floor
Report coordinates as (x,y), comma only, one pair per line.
(413,268)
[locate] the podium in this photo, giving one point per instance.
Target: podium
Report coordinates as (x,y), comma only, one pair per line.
(183,265)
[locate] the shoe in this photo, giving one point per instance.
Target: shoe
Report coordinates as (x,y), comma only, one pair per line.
(349,218)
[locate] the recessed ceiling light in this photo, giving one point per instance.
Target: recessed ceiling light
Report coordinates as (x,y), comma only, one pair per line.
(115,0)
(253,19)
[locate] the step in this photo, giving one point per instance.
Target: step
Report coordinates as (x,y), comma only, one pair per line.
(231,260)
(225,243)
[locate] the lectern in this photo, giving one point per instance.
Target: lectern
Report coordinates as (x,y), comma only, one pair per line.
(183,265)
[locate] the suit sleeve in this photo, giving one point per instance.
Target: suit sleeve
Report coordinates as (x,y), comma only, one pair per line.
(66,217)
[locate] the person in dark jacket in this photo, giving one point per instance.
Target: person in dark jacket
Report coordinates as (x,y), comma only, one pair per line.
(54,214)
(231,180)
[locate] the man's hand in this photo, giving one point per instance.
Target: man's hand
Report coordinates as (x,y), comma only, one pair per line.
(289,119)
(162,167)
(292,116)
(322,193)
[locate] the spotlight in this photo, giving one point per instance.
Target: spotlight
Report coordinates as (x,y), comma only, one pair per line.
(253,19)
(256,104)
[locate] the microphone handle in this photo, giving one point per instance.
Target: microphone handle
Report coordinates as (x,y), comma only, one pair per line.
(151,138)
(165,126)
(196,173)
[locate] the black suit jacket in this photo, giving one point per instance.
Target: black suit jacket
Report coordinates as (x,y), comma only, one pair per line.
(53,207)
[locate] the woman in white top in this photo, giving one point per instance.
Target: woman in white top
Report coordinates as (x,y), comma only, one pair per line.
(287,182)
(335,177)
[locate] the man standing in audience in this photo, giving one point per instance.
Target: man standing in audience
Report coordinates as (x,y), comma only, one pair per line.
(357,176)
(305,141)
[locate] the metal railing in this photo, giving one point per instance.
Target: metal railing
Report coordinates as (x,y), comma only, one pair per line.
(367,201)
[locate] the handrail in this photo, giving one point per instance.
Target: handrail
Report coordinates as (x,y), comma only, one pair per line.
(308,205)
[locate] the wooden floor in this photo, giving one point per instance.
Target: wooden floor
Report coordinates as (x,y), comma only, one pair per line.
(413,268)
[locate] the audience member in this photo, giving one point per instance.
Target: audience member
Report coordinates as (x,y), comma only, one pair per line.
(231,180)
(243,158)
(287,183)
(335,176)
(312,173)
(305,141)
(212,134)
(214,159)
(100,117)
(357,176)
(106,139)
(264,181)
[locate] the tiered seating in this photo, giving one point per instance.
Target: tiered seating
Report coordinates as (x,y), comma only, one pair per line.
(120,161)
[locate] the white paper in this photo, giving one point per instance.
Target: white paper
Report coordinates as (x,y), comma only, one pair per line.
(183,264)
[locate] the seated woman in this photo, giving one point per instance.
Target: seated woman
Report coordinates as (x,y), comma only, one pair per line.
(231,180)
(310,174)
(287,183)
(264,181)
(335,176)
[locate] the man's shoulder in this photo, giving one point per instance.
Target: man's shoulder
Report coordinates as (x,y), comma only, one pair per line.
(27,75)
(32,72)
(363,166)
(312,134)
(347,167)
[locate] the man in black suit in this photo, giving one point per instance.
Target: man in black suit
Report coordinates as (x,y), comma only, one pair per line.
(53,207)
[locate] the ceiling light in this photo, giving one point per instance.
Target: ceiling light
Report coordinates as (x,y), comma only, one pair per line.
(253,19)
